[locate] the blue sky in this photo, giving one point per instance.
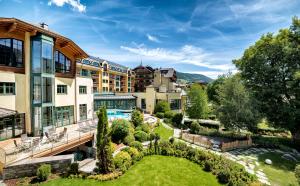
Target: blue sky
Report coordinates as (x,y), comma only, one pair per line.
(188,35)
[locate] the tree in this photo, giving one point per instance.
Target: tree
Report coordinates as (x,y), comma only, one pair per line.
(120,129)
(104,153)
(195,127)
(137,117)
(213,87)
(297,173)
(197,106)
(162,106)
(270,69)
(236,108)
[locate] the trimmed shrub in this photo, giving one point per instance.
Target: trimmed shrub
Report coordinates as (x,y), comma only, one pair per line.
(297,173)
(137,118)
(134,153)
(176,120)
(208,165)
(105,177)
(119,130)
(43,172)
(165,148)
(122,161)
(73,169)
(168,120)
(195,127)
(169,114)
(160,115)
(224,176)
(144,127)
(141,136)
(129,139)
(162,106)
(138,145)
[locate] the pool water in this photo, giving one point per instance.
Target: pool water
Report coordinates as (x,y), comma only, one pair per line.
(117,114)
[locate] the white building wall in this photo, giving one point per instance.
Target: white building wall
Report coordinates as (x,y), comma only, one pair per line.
(87,99)
(65,99)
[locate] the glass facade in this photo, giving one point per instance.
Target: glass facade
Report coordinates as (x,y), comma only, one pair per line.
(12,126)
(121,104)
(42,82)
(11,52)
(62,63)
(175,104)
(64,115)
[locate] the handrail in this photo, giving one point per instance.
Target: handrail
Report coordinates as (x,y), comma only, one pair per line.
(45,145)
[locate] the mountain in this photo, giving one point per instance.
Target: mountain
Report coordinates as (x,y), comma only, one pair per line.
(192,77)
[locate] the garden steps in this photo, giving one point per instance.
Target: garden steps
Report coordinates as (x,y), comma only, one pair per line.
(84,162)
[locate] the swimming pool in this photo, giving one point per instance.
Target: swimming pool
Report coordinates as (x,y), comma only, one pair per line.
(117,114)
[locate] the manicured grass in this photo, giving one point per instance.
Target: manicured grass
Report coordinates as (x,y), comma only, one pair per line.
(281,172)
(164,133)
(151,171)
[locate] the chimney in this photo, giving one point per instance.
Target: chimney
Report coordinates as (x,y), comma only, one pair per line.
(44,25)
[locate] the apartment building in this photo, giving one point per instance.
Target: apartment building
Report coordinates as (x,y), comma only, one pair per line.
(38,83)
(144,76)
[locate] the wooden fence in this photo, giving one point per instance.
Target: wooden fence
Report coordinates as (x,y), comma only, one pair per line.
(226,146)
(197,140)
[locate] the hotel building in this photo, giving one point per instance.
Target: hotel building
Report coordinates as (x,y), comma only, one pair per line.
(38,82)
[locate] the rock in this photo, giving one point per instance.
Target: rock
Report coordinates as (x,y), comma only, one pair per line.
(289,157)
(268,161)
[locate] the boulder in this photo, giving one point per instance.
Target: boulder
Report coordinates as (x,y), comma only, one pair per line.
(268,161)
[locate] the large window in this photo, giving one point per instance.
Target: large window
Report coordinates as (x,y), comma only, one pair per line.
(143,103)
(47,57)
(62,63)
(7,88)
(36,56)
(82,111)
(62,89)
(85,73)
(175,104)
(64,115)
(82,89)
(11,52)
(37,91)
(47,90)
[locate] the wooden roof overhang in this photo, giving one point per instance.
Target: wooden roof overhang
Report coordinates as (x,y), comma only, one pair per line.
(13,25)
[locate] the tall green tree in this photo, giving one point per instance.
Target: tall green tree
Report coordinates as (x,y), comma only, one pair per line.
(162,106)
(137,118)
(197,106)
(104,151)
(270,70)
(236,109)
(212,88)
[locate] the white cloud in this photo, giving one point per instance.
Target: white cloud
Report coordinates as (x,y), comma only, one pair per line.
(188,54)
(74,3)
(153,38)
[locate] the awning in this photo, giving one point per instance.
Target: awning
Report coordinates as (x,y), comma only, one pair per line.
(6,112)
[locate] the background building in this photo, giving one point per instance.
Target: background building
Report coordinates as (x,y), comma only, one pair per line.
(144,77)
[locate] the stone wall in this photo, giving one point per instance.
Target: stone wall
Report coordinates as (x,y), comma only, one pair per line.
(29,167)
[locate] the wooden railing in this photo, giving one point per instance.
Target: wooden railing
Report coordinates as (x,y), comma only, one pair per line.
(196,139)
(226,146)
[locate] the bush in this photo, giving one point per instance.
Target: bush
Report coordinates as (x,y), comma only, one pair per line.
(195,127)
(138,145)
(224,176)
(43,172)
(73,169)
(134,153)
(119,130)
(105,177)
(160,115)
(169,114)
(168,120)
(129,139)
(141,136)
(137,118)
(122,161)
(144,127)
(176,120)
(297,173)
(208,166)
(162,106)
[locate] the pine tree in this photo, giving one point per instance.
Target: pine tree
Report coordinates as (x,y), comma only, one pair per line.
(104,153)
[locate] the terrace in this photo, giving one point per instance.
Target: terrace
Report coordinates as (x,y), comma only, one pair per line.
(54,141)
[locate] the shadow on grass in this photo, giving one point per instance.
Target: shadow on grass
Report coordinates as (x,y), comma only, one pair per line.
(277,161)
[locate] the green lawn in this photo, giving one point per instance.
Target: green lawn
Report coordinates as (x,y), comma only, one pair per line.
(281,172)
(164,132)
(153,170)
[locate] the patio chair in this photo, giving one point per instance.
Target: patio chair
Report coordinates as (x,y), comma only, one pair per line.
(50,137)
(91,124)
(35,143)
(20,147)
(63,133)
(83,127)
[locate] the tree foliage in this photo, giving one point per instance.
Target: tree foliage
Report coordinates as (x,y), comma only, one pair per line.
(236,108)
(104,151)
(197,106)
(162,106)
(120,129)
(213,87)
(270,69)
(137,117)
